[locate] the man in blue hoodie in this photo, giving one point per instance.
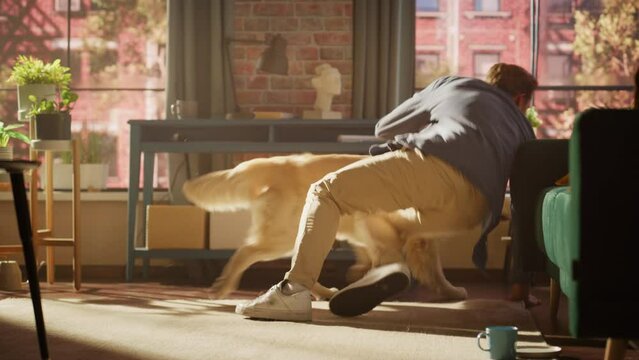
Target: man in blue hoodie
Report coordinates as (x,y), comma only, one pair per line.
(448,154)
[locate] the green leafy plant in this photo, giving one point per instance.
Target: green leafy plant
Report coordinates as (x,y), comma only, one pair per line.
(30,70)
(8,132)
(64,104)
(533,117)
(95,147)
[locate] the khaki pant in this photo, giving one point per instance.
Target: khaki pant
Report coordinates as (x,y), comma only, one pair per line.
(401,179)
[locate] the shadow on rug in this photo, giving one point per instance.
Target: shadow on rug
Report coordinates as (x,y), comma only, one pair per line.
(87,326)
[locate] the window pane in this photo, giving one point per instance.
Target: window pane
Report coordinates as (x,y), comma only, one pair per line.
(557,109)
(108,112)
(27,29)
(598,41)
(121,44)
(117,61)
(457,34)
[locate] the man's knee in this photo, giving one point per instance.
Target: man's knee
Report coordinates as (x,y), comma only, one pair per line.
(322,187)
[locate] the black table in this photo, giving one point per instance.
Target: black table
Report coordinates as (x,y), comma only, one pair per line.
(16,169)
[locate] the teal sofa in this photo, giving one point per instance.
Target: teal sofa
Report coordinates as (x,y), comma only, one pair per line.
(589,230)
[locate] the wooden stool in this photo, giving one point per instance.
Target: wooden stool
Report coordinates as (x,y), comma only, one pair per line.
(45,236)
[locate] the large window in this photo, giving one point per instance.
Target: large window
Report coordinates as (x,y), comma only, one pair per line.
(587,62)
(588,51)
(115,50)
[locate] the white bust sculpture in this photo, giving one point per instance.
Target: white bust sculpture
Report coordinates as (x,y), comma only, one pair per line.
(327,83)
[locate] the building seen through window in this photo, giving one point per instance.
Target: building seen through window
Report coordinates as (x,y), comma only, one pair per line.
(580,64)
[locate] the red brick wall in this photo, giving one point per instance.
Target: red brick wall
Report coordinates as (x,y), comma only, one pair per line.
(317,32)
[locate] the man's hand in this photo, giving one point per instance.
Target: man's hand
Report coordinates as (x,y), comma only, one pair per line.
(379,149)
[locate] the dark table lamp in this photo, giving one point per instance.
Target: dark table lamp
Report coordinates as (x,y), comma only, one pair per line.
(273,61)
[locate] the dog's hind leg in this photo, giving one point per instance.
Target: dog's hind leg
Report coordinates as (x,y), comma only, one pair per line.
(323,293)
(362,263)
(241,260)
(422,256)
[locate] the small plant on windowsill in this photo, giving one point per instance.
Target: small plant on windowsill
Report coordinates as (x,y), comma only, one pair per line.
(7,133)
(96,151)
(35,77)
(533,117)
(53,117)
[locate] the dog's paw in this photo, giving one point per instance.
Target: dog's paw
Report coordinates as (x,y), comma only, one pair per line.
(450,294)
(457,293)
(218,290)
(325,295)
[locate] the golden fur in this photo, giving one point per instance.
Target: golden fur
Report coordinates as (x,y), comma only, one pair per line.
(275,188)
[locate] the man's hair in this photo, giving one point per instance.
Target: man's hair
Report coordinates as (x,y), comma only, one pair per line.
(513,79)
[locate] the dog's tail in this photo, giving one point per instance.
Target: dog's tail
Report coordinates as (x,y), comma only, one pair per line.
(221,190)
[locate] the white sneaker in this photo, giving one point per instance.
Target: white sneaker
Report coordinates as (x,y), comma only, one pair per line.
(275,305)
(376,286)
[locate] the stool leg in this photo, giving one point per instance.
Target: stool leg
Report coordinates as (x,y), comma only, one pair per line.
(75,210)
(24,227)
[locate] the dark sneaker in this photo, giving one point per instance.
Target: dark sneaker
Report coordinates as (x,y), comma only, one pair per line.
(376,286)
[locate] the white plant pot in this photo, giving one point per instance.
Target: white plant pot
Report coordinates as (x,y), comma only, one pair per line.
(40,91)
(6,153)
(92,176)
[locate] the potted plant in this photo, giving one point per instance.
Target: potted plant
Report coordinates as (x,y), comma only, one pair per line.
(96,148)
(8,132)
(35,77)
(52,118)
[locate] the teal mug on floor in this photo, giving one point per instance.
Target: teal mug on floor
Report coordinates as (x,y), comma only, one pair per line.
(501,342)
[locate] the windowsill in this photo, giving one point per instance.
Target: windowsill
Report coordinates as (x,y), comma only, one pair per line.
(431,14)
(90,196)
(487,14)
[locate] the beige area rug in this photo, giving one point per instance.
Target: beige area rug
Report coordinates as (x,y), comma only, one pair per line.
(94,327)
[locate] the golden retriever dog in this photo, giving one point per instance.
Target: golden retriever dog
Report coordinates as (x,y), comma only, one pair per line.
(274,190)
